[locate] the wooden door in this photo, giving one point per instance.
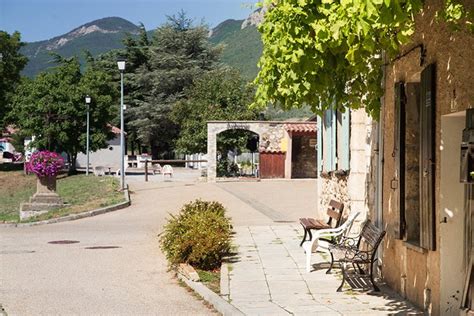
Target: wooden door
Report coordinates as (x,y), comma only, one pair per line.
(272,165)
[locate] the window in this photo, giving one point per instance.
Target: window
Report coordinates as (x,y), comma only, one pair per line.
(414,155)
(333,141)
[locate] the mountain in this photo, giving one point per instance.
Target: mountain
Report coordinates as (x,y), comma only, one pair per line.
(97,37)
(242,45)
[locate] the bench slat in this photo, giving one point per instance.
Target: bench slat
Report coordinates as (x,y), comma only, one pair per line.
(311,223)
(336,205)
(371,234)
(334,214)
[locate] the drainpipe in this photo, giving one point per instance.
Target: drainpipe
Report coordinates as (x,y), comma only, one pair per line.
(319,166)
(379,152)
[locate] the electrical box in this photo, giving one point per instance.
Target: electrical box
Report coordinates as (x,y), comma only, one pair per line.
(467,149)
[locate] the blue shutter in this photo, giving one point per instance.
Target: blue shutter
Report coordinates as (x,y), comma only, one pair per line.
(319,145)
(333,139)
(344,147)
(327,130)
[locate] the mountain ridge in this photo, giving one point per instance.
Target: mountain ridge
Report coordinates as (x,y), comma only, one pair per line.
(98,36)
(242,45)
(240,40)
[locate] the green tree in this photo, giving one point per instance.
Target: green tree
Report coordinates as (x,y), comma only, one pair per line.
(137,55)
(52,108)
(221,94)
(179,53)
(11,64)
(329,54)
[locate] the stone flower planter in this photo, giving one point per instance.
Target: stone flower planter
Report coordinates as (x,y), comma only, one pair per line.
(43,200)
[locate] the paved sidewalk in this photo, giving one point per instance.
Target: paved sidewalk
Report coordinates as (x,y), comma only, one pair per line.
(268,277)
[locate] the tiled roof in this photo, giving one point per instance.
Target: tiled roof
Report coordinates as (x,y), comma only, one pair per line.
(270,151)
(308,127)
(115,129)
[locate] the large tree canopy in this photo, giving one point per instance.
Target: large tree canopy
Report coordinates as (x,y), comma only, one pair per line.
(329,53)
(52,108)
(11,64)
(177,55)
(221,94)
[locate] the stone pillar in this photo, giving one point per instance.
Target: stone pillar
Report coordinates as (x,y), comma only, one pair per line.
(211,154)
(43,200)
(360,186)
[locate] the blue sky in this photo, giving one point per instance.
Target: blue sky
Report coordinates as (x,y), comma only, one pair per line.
(43,19)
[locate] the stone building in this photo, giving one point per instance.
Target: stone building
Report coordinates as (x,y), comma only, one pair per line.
(427,212)
(404,172)
(286,149)
(347,161)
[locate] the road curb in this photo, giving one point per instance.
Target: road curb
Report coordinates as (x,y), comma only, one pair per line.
(221,305)
(224,284)
(73,217)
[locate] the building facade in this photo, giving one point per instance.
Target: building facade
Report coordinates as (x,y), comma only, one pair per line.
(410,171)
(426,208)
(348,161)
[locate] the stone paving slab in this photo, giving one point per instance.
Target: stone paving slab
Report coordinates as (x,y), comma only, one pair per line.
(268,277)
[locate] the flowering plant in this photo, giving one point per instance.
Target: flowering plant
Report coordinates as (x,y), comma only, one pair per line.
(45,163)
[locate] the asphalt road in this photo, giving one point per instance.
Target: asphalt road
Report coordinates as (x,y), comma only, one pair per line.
(126,273)
(42,278)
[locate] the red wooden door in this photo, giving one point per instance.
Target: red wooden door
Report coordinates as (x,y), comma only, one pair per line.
(272,165)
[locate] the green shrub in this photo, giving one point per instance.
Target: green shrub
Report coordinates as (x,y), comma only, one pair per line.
(199,235)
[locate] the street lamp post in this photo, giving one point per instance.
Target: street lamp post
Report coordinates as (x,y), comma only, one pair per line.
(88,102)
(121,67)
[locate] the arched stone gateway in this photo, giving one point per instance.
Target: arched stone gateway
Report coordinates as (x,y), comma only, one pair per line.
(275,138)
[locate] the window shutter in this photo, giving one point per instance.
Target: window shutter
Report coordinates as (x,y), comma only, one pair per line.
(399,155)
(327,124)
(333,139)
(319,145)
(343,146)
(427,163)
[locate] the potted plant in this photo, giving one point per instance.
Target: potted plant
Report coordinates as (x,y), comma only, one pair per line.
(46,165)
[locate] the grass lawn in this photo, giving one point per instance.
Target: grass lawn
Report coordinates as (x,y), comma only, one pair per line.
(82,193)
(212,279)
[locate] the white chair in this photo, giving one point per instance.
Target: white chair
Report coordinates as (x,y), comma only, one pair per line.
(312,245)
(99,171)
(167,170)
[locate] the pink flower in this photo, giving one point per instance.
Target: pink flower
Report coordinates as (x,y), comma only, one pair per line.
(45,163)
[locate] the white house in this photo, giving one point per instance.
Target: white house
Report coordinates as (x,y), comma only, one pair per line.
(108,157)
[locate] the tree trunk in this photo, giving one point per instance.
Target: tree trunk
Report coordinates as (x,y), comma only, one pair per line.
(72,157)
(154,151)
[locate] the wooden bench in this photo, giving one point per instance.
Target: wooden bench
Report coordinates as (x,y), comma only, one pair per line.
(334,212)
(358,252)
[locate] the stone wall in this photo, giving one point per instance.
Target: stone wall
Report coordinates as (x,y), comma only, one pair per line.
(355,188)
(271,138)
(304,157)
(361,186)
(333,187)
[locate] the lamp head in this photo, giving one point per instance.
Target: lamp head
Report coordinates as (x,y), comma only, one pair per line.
(88,99)
(121,63)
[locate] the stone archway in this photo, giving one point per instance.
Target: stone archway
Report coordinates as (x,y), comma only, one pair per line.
(271,135)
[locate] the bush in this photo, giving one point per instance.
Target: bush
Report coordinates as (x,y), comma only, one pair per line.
(199,235)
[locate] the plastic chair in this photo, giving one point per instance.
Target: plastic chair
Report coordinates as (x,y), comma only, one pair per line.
(330,236)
